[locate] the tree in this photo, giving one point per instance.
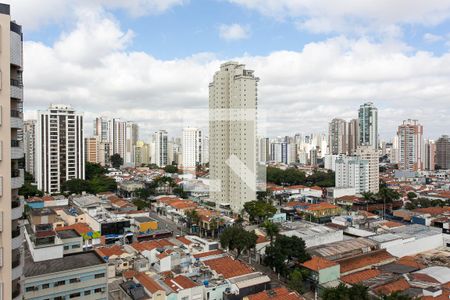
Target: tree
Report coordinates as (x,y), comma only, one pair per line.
(259,211)
(411,195)
(140,204)
(77,186)
(342,292)
(192,218)
(116,160)
(238,239)
(142,193)
(179,191)
(397,296)
(92,170)
(102,183)
(29,190)
(272,230)
(171,169)
(296,278)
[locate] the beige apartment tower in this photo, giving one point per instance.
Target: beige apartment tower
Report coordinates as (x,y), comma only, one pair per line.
(232,136)
(11,154)
(371,155)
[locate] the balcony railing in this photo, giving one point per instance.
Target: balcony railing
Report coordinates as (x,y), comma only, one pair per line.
(15,173)
(16,113)
(15,82)
(15,233)
(15,143)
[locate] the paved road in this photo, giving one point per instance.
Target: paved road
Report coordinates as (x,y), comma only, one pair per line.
(165,223)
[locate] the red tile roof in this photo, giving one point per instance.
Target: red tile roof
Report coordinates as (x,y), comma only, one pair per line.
(110,251)
(180,282)
(184,240)
(410,261)
(321,206)
(317,263)
(392,224)
(361,276)
(366,260)
(434,211)
(280,293)
(228,267)
(80,228)
(209,253)
(148,283)
(389,288)
(150,245)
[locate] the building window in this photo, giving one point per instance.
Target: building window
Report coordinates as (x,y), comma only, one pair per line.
(66,247)
(59,298)
(74,280)
(30,289)
(100,275)
(75,295)
(98,290)
(75,246)
(59,283)
(45,286)
(86,293)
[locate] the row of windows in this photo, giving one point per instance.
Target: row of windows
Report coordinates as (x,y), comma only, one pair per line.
(60,282)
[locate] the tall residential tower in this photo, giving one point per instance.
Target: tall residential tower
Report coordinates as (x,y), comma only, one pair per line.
(232,136)
(368,125)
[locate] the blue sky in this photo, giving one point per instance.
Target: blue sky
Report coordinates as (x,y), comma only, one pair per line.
(149,60)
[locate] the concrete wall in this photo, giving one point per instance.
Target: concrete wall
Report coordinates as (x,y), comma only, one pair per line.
(329,274)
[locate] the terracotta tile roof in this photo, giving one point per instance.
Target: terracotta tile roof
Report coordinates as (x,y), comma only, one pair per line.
(434,211)
(80,228)
(110,251)
(180,282)
(410,261)
(321,206)
(149,283)
(365,260)
(129,274)
(47,198)
(184,240)
(280,293)
(360,276)
(295,203)
(392,224)
(317,188)
(296,187)
(209,253)
(261,239)
(47,233)
(150,245)
(349,198)
(228,267)
(389,288)
(317,263)
(423,278)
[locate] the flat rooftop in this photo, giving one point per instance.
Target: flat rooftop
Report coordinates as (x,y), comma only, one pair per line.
(406,232)
(144,219)
(304,229)
(66,263)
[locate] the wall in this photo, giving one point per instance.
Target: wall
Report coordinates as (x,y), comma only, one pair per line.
(329,274)
(413,247)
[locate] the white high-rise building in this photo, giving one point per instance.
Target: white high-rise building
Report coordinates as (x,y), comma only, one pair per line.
(102,129)
(131,137)
(60,154)
(232,136)
(29,142)
(368,125)
(352,172)
(337,137)
(117,137)
(11,155)
(264,150)
(371,155)
(411,146)
(192,148)
(161,148)
(205,150)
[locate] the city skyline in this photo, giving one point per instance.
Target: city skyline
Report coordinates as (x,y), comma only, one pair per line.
(163,77)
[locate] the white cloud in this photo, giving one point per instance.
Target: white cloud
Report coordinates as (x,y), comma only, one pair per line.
(232,32)
(432,38)
(352,15)
(34,14)
(93,69)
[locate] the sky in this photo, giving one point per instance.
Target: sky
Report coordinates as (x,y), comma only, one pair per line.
(150,61)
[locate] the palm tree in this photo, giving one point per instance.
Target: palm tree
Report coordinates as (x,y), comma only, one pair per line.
(387,195)
(192,218)
(213,225)
(272,230)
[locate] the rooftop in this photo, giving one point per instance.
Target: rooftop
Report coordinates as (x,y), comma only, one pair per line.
(144,219)
(180,283)
(228,267)
(280,293)
(67,234)
(361,276)
(333,250)
(149,283)
(66,263)
(317,263)
(365,261)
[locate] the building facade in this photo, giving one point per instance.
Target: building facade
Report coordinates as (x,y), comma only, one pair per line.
(142,153)
(372,157)
(337,137)
(192,148)
(60,154)
(353,136)
(232,136)
(368,125)
(91,146)
(443,152)
(161,148)
(11,150)
(410,145)
(117,137)
(429,161)
(352,172)
(131,137)
(29,142)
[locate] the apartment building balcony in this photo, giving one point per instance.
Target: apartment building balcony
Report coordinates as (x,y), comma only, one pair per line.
(16,119)
(17,238)
(17,178)
(16,149)
(17,264)
(16,89)
(16,209)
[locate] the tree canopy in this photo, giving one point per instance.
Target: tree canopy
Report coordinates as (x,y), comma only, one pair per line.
(116,160)
(284,252)
(293,176)
(342,292)
(92,170)
(171,169)
(259,211)
(238,239)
